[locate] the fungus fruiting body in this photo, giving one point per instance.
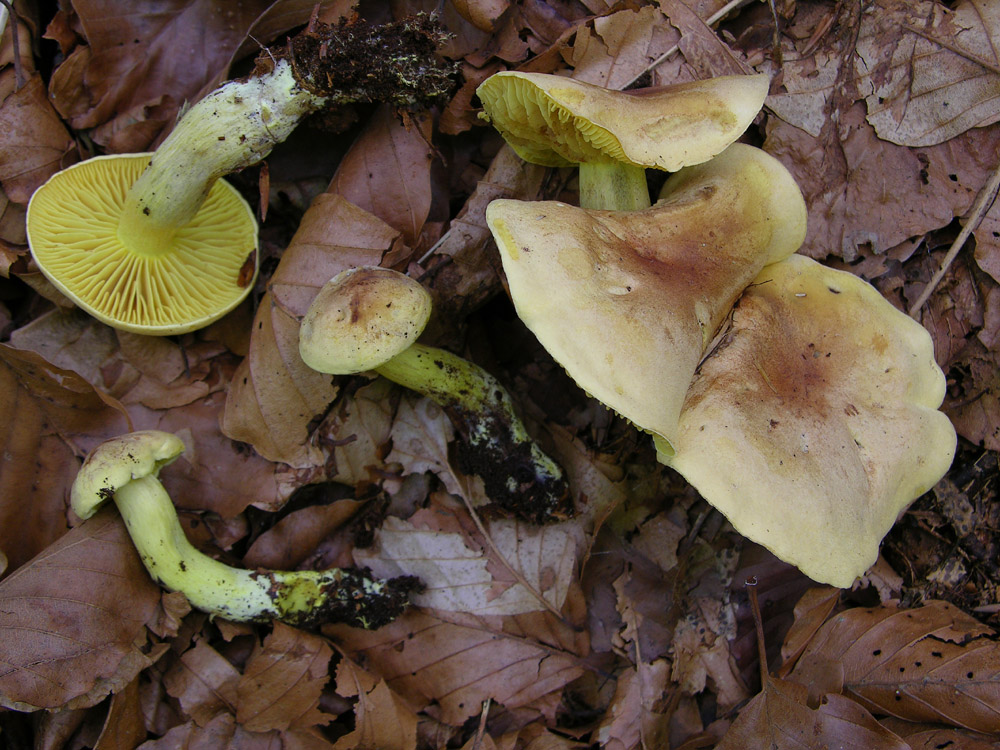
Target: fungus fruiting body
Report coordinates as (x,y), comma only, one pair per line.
(815,421)
(369,318)
(156,243)
(125,469)
(627,302)
(613,136)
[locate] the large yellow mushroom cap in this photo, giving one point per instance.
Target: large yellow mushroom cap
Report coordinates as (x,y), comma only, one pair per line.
(627,302)
(207,268)
(556,121)
(362,318)
(815,422)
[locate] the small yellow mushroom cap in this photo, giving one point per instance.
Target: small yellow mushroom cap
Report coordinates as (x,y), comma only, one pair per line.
(557,122)
(815,422)
(204,271)
(362,318)
(116,462)
(627,302)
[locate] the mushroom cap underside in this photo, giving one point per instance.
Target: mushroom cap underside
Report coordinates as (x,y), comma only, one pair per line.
(362,318)
(814,423)
(627,302)
(116,462)
(208,268)
(557,121)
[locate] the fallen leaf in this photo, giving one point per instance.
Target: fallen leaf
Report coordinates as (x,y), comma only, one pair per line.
(934,663)
(636,717)
(779,718)
(72,619)
(204,683)
(382,718)
(281,684)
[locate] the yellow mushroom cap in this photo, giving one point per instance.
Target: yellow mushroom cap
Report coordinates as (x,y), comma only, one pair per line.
(627,302)
(207,270)
(116,462)
(815,422)
(362,318)
(556,121)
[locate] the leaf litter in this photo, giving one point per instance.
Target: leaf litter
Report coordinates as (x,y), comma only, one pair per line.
(627,626)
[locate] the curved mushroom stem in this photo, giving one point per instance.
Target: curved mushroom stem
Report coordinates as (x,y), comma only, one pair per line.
(233,127)
(518,475)
(301,598)
(613,186)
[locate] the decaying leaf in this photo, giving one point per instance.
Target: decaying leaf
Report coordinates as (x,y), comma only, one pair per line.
(934,663)
(382,718)
(72,620)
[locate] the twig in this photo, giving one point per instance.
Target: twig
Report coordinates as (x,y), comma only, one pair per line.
(19,79)
(983,202)
(714,18)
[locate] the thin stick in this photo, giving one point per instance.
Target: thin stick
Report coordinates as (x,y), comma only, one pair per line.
(983,202)
(714,18)
(758,621)
(15,38)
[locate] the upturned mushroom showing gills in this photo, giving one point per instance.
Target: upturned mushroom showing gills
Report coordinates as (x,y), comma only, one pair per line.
(125,469)
(157,243)
(627,302)
(815,421)
(613,136)
(369,318)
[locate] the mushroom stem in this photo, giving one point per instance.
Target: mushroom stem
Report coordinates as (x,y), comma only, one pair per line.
(126,468)
(233,127)
(613,186)
(500,449)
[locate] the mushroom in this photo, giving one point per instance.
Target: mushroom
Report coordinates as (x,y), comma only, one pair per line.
(627,302)
(157,243)
(125,469)
(369,318)
(815,421)
(614,135)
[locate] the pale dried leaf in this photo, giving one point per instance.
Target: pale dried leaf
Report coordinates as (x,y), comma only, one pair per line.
(918,91)
(636,717)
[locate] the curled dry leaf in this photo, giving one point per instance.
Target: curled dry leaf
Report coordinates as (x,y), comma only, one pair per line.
(204,683)
(933,664)
(381,718)
(281,684)
(72,620)
(636,717)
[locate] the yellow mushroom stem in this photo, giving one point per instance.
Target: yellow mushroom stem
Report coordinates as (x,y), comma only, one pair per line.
(501,450)
(233,127)
(613,186)
(301,598)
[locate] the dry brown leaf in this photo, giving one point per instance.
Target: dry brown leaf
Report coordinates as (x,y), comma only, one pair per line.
(274,396)
(297,535)
(929,72)
(704,52)
(701,651)
(141,65)
(382,718)
(779,718)
(282,682)
(35,145)
(72,619)
(356,433)
(449,667)
(636,717)
(204,683)
(620,47)
(934,663)
(51,417)
(387,172)
(124,727)
(223,731)
(811,611)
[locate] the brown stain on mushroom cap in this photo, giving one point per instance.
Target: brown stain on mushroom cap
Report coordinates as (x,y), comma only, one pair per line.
(627,302)
(815,422)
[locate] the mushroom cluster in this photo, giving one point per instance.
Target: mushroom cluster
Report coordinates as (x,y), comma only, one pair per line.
(795,398)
